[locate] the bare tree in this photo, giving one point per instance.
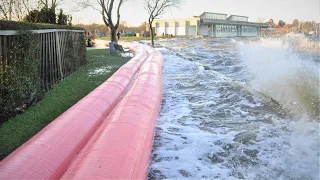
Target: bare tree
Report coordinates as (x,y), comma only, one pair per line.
(106,12)
(106,8)
(156,8)
(7,9)
(295,23)
(16,9)
(50,5)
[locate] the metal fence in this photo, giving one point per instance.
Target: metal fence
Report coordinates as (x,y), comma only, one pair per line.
(55,53)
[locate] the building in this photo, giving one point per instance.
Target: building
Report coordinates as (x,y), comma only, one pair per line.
(209,25)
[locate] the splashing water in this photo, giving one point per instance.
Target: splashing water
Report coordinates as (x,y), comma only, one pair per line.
(280,73)
(237,109)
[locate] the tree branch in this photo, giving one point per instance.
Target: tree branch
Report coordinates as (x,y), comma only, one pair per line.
(157,8)
(4,12)
(110,9)
(118,14)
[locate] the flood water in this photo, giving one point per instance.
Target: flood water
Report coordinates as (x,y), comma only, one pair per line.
(238,109)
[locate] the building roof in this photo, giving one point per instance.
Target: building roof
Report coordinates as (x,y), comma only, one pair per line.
(237,16)
(213,13)
(173,19)
(234,23)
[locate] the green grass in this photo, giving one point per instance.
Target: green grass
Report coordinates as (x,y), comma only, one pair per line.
(130,38)
(19,129)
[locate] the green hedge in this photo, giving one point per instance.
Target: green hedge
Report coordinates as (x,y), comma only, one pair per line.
(13,25)
(22,80)
(19,77)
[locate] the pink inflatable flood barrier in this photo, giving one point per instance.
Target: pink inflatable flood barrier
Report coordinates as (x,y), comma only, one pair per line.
(48,154)
(121,147)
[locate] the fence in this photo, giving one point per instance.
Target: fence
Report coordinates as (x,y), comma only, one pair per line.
(53,48)
(36,59)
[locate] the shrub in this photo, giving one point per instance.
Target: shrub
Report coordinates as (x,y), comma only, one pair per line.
(21,83)
(12,25)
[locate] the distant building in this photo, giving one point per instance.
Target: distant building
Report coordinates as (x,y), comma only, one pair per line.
(210,25)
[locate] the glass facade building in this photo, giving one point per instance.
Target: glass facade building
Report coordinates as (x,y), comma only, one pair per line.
(233,31)
(249,31)
(210,24)
(238,18)
(226,31)
(221,26)
(214,16)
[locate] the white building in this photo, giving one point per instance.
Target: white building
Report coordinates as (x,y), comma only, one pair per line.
(210,25)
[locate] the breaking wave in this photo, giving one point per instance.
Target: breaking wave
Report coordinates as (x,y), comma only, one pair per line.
(241,108)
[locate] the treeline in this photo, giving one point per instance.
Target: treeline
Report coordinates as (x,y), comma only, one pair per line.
(35,11)
(307,26)
(298,26)
(102,30)
(304,26)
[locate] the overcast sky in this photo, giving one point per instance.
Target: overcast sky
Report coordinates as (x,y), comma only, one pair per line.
(134,13)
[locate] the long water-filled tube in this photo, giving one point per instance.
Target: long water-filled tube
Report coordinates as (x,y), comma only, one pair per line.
(121,147)
(47,154)
(132,45)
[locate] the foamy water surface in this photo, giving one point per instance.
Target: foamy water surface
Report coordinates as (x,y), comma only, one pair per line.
(237,109)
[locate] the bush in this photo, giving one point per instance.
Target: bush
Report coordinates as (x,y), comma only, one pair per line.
(76,55)
(42,16)
(21,83)
(12,25)
(63,19)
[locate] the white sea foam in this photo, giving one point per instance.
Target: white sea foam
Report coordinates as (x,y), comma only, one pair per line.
(214,125)
(280,73)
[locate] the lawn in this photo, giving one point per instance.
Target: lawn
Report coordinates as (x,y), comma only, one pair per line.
(130,38)
(17,130)
(123,38)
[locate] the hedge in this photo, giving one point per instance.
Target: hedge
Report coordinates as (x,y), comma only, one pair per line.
(24,75)
(13,25)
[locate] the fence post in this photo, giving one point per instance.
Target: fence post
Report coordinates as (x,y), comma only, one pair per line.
(59,53)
